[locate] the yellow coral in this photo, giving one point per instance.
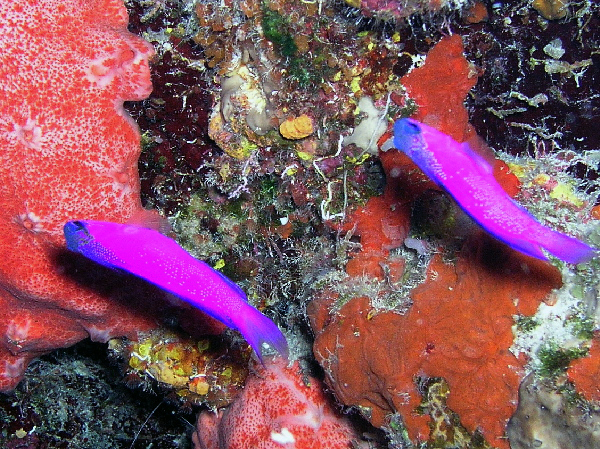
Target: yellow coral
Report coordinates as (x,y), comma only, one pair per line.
(242,151)
(567,194)
(196,371)
(164,372)
(199,386)
(297,127)
(551,9)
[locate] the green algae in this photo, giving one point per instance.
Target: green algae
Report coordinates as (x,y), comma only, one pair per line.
(303,70)
(555,360)
(526,323)
(276,29)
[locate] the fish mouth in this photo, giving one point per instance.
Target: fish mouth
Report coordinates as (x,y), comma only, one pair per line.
(407,126)
(76,235)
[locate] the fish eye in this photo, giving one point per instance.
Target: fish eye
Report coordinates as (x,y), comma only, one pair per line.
(406,126)
(76,235)
(78,225)
(412,128)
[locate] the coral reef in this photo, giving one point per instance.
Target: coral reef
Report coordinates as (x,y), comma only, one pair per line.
(320,216)
(383,222)
(280,406)
(69,151)
(280,185)
(380,385)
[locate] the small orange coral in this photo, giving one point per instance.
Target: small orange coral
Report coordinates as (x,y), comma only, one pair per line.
(506,178)
(295,128)
(476,13)
(551,9)
(440,86)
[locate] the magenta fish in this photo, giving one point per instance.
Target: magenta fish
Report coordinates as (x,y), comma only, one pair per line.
(161,261)
(469,179)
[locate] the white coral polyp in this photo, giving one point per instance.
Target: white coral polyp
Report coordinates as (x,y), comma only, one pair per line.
(29,134)
(17,332)
(283,437)
(31,222)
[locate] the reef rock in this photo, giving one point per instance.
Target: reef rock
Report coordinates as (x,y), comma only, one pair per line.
(546,419)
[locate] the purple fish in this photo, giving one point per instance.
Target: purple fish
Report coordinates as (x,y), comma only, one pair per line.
(469,178)
(160,260)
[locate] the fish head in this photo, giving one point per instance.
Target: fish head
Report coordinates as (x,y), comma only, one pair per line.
(407,136)
(76,235)
(86,238)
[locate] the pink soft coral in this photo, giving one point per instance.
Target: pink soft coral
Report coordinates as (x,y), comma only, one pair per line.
(279,408)
(69,150)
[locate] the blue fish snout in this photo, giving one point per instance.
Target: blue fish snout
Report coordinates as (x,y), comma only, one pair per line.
(406,133)
(75,232)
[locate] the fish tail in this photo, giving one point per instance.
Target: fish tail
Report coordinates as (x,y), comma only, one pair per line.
(567,248)
(258,329)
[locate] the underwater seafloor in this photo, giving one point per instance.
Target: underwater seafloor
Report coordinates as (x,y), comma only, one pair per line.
(262,143)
